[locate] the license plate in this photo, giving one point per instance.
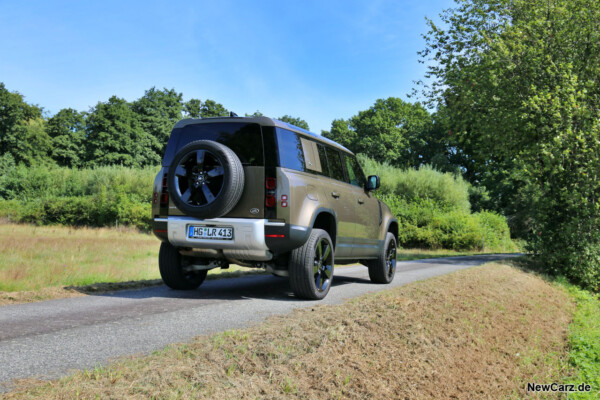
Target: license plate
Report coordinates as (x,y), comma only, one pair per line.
(210,232)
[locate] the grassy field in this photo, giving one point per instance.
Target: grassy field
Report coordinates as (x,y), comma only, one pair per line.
(478,333)
(43,262)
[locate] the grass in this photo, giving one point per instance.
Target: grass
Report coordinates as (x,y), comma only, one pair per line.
(584,341)
(477,333)
(45,262)
(419,254)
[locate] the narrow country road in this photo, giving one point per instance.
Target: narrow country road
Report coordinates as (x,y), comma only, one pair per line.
(50,338)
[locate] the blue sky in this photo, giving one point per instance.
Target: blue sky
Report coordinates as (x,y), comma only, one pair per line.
(318,60)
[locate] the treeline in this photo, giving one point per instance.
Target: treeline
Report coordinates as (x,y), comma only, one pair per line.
(115,132)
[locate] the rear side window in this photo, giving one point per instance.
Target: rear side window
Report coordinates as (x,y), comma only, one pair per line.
(244,139)
(303,154)
(335,164)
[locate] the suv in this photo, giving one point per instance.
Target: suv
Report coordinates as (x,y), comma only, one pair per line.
(258,192)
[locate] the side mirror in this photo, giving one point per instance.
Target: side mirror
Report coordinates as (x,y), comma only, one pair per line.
(373,182)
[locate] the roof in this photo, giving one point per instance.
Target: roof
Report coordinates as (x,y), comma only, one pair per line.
(263,121)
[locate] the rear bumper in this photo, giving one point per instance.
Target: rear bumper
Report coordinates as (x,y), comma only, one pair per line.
(253,239)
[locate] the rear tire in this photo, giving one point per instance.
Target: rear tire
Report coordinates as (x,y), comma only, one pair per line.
(311,266)
(170,264)
(383,269)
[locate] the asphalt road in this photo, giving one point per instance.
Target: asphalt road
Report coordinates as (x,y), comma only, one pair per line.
(48,339)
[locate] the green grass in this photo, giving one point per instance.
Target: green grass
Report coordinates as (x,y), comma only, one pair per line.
(419,254)
(584,341)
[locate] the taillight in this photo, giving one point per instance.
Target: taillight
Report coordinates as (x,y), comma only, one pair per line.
(271,183)
(270,200)
(164,197)
(271,186)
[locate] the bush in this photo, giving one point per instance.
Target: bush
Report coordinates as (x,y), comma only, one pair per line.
(425,224)
(445,189)
(93,197)
(28,183)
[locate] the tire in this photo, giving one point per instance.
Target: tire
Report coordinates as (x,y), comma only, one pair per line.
(206,179)
(171,270)
(311,266)
(383,269)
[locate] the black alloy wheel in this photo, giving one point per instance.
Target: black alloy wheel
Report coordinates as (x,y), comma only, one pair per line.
(205,179)
(323,265)
(199,178)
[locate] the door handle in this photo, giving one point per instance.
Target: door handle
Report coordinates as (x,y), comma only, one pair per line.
(335,194)
(361,201)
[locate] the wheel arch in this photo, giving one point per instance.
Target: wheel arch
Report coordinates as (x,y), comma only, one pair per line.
(393,227)
(326,219)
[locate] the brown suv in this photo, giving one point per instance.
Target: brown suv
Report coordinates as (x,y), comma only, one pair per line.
(258,192)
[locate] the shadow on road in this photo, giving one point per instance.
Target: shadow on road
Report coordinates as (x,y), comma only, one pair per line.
(267,287)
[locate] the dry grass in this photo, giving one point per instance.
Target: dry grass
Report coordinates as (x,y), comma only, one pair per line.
(49,262)
(33,258)
(479,333)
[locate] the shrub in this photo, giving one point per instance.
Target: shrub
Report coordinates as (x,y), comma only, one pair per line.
(425,224)
(28,183)
(445,189)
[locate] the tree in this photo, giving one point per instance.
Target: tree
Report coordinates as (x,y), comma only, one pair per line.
(192,108)
(115,136)
(158,111)
(393,131)
(67,130)
(22,129)
(299,122)
(254,114)
(518,81)
(211,108)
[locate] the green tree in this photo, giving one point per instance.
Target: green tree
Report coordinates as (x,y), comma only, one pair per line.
(393,131)
(67,130)
(192,108)
(158,111)
(22,129)
(518,81)
(299,122)
(211,108)
(115,136)
(254,114)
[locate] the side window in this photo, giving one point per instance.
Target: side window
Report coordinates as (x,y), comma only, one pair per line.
(357,178)
(323,159)
(311,156)
(335,164)
(291,154)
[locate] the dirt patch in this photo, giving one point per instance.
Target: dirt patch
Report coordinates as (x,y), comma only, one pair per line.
(479,333)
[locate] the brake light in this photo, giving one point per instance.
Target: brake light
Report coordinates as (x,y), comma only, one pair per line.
(275,236)
(270,200)
(271,186)
(271,183)
(164,197)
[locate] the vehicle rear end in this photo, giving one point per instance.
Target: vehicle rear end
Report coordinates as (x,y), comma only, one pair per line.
(196,207)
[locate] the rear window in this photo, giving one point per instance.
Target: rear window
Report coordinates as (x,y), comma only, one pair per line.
(244,139)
